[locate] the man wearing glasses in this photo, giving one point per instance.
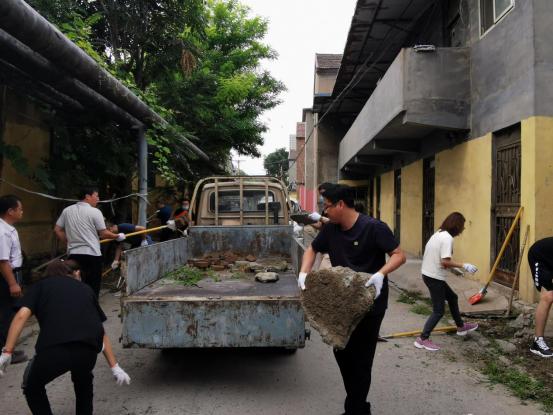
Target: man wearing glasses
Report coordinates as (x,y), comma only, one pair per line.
(359,242)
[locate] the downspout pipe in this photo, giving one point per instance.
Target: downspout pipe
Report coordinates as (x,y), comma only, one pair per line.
(142,174)
(22,22)
(11,75)
(39,68)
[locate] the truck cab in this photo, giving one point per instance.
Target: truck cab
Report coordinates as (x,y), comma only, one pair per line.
(239,200)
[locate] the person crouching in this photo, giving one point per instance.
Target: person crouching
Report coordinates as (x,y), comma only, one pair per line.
(71,336)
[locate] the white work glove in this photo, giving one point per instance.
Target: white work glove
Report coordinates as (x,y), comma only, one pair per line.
(120,375)
(470,268)
(5,360)
(171,225)
(120,237)
(377,280)
(314,216)
(301,280)
(144,242)
(114,265)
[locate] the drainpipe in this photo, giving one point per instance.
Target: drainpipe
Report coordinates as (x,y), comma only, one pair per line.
(38,68)
(142,174)
(24,23)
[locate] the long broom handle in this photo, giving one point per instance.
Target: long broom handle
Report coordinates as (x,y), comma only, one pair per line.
(445,329)
(517,272)
(505,243)
(137,233)
(38,268)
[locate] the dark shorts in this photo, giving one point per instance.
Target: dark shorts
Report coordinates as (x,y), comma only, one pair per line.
(543,275)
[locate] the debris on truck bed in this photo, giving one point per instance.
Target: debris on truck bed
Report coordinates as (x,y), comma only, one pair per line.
(228,265)
(266,277)
(335,300)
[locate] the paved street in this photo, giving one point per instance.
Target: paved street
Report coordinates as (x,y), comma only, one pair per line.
(405,380)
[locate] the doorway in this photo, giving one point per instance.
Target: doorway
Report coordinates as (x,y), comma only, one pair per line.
(428,182)
(506,200)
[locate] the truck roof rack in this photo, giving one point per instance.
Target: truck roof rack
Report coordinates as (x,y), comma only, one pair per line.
(241,180)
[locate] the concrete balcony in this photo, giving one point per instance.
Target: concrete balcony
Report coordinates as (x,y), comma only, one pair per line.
(420,92)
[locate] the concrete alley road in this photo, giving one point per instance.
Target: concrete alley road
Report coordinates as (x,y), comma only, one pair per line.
(405,380)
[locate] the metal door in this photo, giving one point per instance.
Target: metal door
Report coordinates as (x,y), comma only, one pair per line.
(428,181)
(397,204)
(506,200)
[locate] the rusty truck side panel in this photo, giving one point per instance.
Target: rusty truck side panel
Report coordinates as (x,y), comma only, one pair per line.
(142,266)
(215,320)
(259,240)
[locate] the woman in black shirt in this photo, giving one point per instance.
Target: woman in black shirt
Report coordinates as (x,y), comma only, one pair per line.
(71,336)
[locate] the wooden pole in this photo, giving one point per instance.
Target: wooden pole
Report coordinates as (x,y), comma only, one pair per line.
(517,272)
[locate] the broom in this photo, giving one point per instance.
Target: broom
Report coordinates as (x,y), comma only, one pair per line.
(476,298)
(103,241)
(446,329)
(517,273)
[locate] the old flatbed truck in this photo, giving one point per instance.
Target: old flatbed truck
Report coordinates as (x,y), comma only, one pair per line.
(248,215)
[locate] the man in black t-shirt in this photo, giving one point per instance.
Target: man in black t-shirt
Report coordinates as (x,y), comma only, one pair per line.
(540,258)
(71,336)
(361,243)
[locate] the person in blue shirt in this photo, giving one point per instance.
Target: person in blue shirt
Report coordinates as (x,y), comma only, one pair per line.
(129,243)
(164,213)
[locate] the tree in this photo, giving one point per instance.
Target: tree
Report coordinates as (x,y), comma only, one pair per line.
(276,164)
(221,100)
(196,62)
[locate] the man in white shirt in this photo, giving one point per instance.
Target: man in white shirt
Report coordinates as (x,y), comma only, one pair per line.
(11,259)
(79,226)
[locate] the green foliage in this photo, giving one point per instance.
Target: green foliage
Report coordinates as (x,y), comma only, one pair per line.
(186,275)
(521,384)
(406,299)
(422,309)
(276,164)
(221,100)
(17,159)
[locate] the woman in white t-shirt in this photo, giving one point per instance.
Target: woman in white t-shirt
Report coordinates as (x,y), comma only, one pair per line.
(437,259)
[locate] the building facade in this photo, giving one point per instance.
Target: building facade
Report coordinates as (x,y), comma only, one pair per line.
(447,106)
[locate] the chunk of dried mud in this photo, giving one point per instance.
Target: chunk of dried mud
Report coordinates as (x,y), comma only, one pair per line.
(335,300)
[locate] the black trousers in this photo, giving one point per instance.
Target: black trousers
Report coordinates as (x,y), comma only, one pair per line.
(91,270)
(50,363)
(6,310)
(356,362)
(166,235)
(440,292)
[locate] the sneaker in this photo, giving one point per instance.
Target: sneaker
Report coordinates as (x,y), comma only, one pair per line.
(19,356)
(540,348)
(467,328)
(426,344)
